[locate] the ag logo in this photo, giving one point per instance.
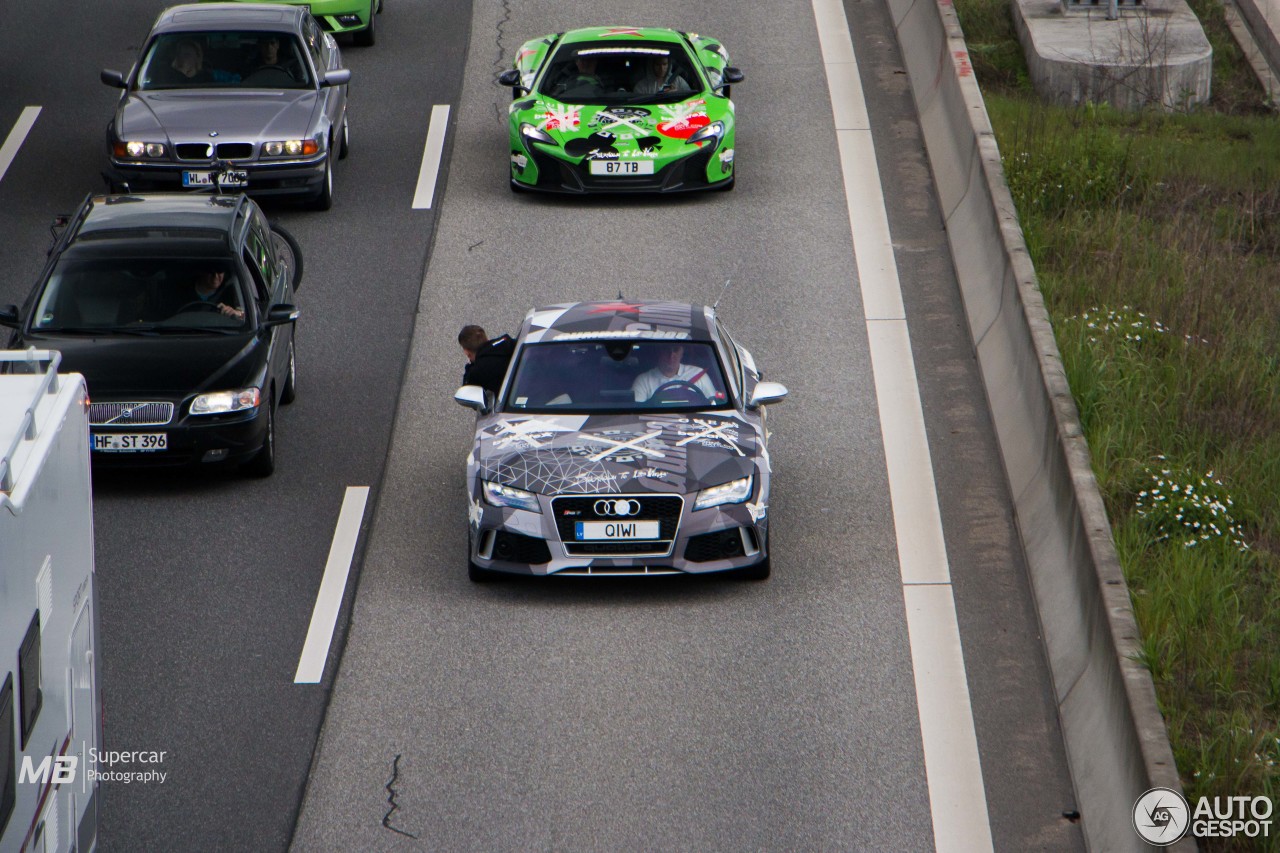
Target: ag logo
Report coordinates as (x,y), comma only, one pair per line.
(1161,816)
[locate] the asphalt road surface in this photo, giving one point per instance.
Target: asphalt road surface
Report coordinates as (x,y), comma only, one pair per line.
(711,715)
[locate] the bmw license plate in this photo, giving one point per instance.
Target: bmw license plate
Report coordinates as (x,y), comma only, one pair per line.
(596,530)
(129,442)
(229,178)
(622,167)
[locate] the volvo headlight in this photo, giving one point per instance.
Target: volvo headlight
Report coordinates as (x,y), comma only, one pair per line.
(535,134)
(137,150)
(732,492)
(708,133)
(222,402)
(497,494)
(290,148)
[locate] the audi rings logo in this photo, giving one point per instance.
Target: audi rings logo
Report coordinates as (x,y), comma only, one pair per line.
(618,508)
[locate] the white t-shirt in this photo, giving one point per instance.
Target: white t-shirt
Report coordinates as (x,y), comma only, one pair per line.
(651,380)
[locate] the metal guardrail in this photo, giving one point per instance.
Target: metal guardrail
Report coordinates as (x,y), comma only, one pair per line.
(48,385)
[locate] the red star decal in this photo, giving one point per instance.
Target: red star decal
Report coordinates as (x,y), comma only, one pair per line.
(619,307)
(621,31)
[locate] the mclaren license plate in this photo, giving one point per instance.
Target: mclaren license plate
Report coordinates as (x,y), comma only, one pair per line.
(622,168)
(592,531)
(129,442)
(229,178)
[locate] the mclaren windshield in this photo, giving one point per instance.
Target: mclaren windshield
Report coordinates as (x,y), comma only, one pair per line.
(614,74)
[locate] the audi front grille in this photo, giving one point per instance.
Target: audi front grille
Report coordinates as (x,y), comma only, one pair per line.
(664,509)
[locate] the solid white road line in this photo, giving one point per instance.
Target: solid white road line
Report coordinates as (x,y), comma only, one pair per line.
(16,137)
(315,651)
(431,155)
(953,770)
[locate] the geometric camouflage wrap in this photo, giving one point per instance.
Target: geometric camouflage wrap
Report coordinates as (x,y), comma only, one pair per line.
(576,131)
(587,470)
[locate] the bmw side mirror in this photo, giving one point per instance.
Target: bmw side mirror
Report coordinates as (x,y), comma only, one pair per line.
(336,77)
(113,78)
(9,316)
(281,313)
(474,397)
(766,393)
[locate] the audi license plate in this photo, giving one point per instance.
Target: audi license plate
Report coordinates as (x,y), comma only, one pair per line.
(622,167)
(129,442)
(592,530)
(229,178)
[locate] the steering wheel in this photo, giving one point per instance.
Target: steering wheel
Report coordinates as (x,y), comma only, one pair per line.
(680,385)
(264,74)
(198,305)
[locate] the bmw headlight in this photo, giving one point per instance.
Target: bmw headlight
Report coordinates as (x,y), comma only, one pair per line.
(535,134)
(708,133)
(222,402)
(137,150)
(290,148)
(499,495)
(732,492)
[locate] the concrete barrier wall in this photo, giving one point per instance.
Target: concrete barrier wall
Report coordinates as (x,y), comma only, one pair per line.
(1262,17)
(1116,741)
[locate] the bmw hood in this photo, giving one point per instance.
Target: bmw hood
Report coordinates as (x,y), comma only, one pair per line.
(172,367)
(581,454)
(186,116)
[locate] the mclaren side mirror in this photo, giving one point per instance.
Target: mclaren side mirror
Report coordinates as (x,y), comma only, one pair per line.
(510,77)
(733,75)
(766,393)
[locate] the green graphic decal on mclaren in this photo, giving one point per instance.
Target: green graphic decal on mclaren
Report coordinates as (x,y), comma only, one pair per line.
(621,109)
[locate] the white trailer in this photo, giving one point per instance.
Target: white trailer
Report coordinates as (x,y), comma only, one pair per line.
(50,711)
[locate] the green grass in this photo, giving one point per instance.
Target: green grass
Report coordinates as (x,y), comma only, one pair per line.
(1156,241)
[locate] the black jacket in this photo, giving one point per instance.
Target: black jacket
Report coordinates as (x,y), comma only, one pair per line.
(490,366)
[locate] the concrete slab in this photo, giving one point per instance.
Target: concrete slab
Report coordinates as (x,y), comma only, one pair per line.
(1153,55)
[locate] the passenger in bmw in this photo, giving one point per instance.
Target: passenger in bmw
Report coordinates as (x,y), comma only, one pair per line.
(487,360)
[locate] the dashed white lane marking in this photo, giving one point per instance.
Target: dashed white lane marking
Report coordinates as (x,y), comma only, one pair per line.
(315,651)
(957,799)
(431,154)
(16,137)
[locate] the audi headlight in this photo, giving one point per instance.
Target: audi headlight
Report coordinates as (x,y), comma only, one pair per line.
(137,150)
(535,134)
(222,402)
(497,494)
(732,492)
(290,148)
(711,131)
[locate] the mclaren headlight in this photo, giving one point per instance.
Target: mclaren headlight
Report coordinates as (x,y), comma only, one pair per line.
(497,494)
(535,134)
(732,492)
(710,133)
(224,402)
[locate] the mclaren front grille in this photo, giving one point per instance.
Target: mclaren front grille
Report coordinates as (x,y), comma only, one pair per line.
(571,509)
(130,414)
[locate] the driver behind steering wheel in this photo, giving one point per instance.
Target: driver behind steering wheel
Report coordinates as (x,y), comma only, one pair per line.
(669,370)
(210,287)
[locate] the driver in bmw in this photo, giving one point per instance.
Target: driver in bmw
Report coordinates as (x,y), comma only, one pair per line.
(668,370)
